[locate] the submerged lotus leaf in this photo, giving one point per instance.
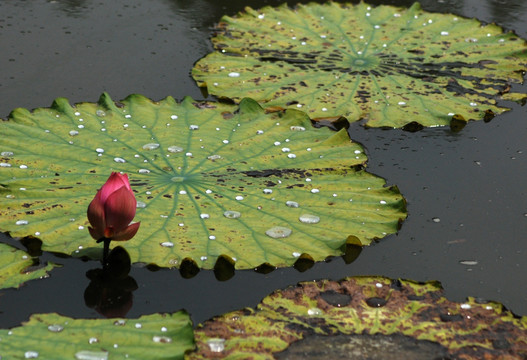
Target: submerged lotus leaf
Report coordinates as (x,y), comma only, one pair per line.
(367,317)
(52,336)
(389,65)
(17,267)
(210,179)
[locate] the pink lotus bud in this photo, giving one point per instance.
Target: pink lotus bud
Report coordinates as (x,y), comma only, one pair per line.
(112,210)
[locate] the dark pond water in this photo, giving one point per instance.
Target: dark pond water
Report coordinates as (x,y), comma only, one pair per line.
(474,181)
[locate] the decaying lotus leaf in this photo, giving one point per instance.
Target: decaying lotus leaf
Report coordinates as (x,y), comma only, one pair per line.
(321,319)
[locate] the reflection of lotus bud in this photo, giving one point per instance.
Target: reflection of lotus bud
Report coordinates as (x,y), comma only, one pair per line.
(110,291)
(112,210)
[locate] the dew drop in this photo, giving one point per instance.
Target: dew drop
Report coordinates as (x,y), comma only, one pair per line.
(151,146)
(298,128)
(225,141)
(193,127)
(314,191)
(77,113)
(382,202)
(291,156)
(466,306)
(119,322)
(208,191)
(5,165)
(7,153)
(314,311)
(214,157)
(173,117)
(161,339)
(436,219)
(267,191)
(119,160)
(276,143)
(138,325)
(309,219)
(216,344)
(292,204)
(285,149)
(239,198)
(259,132)
(80,126)
(296,254)
(22,222)
(31,355)
(55,328)
(100,113)
(99,150)
(167,244)
(278,232)
(231,214)
(93,340)
(212,237)
(140,205)
(204,216)
(91,355)
(234,74)
(444,33)
(143,171)
(73,132)
(189,154)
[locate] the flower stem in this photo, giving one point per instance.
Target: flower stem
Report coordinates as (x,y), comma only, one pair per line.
(105,252)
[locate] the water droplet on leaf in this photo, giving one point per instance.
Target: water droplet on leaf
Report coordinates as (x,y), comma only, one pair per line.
(292,204)
(309,219)
(216,344)
(230,214)
(278,232)
(151,146)
(55,328)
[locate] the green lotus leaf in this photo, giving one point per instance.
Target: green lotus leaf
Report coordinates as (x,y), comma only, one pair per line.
(17,267)
(389,65)
(52,336)
(369,317)
(211,180)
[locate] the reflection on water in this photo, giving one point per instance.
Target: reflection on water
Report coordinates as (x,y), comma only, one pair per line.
(110,291)
(506,11)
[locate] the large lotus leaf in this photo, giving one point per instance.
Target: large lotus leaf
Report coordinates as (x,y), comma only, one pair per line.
(17,267)
(210,179)
(367,317)
(52,336)
(389,65)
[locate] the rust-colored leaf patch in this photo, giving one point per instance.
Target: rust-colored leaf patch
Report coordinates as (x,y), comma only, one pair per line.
(358,312)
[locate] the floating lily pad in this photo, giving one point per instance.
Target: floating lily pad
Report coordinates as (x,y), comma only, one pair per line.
(52,336)
(17,267)
(390,65)
(369,317)
(210,179)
